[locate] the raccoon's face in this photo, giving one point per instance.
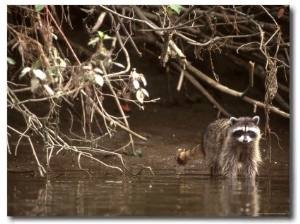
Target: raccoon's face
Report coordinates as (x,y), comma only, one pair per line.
(245,129)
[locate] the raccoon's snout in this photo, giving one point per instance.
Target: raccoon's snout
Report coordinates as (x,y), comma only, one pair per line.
(247,139)
(244,139)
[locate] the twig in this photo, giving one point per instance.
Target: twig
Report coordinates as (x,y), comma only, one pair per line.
(269,15)
(98,23)
(232,92)
(93,158)
(171,42)
(41,168)
(258,70)
(83,116)
(251,72)
(117,102)
(21,136)
(202,89)
(215,39)
(65,38)
(112,120)
(126,17)
(186,14)
(128,35)
(180,79)
(21,90)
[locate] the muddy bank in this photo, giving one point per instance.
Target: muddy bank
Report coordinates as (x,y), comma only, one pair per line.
(167,126)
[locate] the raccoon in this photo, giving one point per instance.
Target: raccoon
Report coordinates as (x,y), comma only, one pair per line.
(230,144)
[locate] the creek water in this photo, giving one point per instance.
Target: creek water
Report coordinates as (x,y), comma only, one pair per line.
(165,194)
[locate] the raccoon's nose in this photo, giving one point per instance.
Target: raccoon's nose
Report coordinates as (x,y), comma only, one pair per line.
(245,140)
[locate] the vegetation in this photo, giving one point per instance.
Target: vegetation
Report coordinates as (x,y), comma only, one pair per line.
(46,65)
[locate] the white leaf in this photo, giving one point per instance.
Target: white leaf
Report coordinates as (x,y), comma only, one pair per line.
(62,63)
(49,90)
(11,61)
(106,37)
(140,96)
(145,92)
(134,74)
(112,123)
(34,84)
(24,72)
(94,41)
(87,67)
(16,44)
(99,80)
(136,84)
(119,65)
(143,80)
(39,74)
(54,36)
(98,70)
(101,34)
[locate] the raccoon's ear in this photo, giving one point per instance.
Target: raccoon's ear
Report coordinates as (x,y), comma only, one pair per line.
(255,120)
(233,120)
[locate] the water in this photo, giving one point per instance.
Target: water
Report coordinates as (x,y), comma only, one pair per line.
(163,195)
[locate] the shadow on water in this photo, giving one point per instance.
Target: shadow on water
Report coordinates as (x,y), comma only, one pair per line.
(162,195)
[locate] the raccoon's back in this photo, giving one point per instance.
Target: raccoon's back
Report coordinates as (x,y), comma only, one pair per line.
(214,135)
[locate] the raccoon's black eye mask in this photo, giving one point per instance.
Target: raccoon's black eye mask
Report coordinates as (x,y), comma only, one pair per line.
(239,133)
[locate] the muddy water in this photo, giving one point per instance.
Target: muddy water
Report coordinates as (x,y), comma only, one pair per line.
(164,194)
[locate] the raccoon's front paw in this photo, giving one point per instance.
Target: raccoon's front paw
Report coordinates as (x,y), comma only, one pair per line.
(251,174)
(230,174)
(182,157)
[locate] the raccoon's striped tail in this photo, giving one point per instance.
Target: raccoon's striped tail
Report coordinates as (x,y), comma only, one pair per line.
(184,155)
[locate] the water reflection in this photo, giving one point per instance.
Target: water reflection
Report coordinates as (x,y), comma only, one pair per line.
(220,197)
(159,195)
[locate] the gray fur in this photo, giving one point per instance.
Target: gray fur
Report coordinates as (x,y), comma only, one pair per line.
(224,153)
